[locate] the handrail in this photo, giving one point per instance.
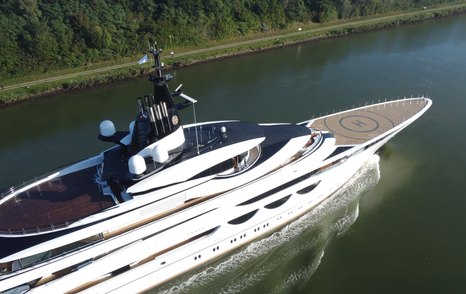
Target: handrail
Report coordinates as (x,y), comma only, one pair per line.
(36,230)
(20,186)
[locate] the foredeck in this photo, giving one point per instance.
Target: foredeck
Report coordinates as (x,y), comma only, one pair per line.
(360,125)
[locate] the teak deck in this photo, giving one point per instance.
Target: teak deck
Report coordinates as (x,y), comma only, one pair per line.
(357,126)
(53,204)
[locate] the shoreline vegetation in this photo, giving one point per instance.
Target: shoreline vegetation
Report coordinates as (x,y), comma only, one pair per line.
(34,86)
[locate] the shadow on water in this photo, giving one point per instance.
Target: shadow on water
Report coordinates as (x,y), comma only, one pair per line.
(288,257)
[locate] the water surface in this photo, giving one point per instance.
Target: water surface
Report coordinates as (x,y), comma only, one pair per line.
(408,232)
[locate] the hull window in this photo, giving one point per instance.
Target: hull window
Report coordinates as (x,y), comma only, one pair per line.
(243,218)
(277,189)
(339,150)
(43,256)
(308,188)
(277,203)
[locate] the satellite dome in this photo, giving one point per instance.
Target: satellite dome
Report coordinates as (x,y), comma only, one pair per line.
(137,164)
(159,153)
(107,128)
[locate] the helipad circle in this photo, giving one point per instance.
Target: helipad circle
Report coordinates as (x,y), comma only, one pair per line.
(359,123)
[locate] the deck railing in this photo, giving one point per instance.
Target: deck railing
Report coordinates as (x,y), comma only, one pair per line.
(12,189)
(36,230)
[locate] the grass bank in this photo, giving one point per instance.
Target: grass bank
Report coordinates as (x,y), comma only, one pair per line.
(66,80)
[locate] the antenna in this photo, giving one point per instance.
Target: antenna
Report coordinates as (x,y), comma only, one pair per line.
(193,101)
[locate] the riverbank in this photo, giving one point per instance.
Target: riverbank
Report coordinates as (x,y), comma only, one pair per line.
(39,86)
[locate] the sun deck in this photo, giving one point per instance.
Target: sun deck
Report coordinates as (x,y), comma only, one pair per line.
(54,204)
(365,123)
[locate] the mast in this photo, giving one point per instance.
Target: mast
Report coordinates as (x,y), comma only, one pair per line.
(158,115)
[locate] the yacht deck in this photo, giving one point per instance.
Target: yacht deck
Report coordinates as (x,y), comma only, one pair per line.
(360,125)
(53,204)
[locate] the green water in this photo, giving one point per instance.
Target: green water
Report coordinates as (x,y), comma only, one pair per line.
(404,233)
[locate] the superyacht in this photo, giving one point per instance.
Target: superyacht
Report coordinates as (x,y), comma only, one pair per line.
(166,197)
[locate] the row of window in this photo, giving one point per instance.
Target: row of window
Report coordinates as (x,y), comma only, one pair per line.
(274,204)
(282,187)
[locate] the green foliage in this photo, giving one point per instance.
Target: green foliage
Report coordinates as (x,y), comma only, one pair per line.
(42,35)
(325,11)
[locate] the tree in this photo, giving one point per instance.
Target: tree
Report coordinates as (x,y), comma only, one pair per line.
(326,11)
(39,35)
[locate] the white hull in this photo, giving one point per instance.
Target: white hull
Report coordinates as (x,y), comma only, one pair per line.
(226,238)
(181,218)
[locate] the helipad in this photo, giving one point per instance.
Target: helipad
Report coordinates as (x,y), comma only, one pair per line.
(362,124)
